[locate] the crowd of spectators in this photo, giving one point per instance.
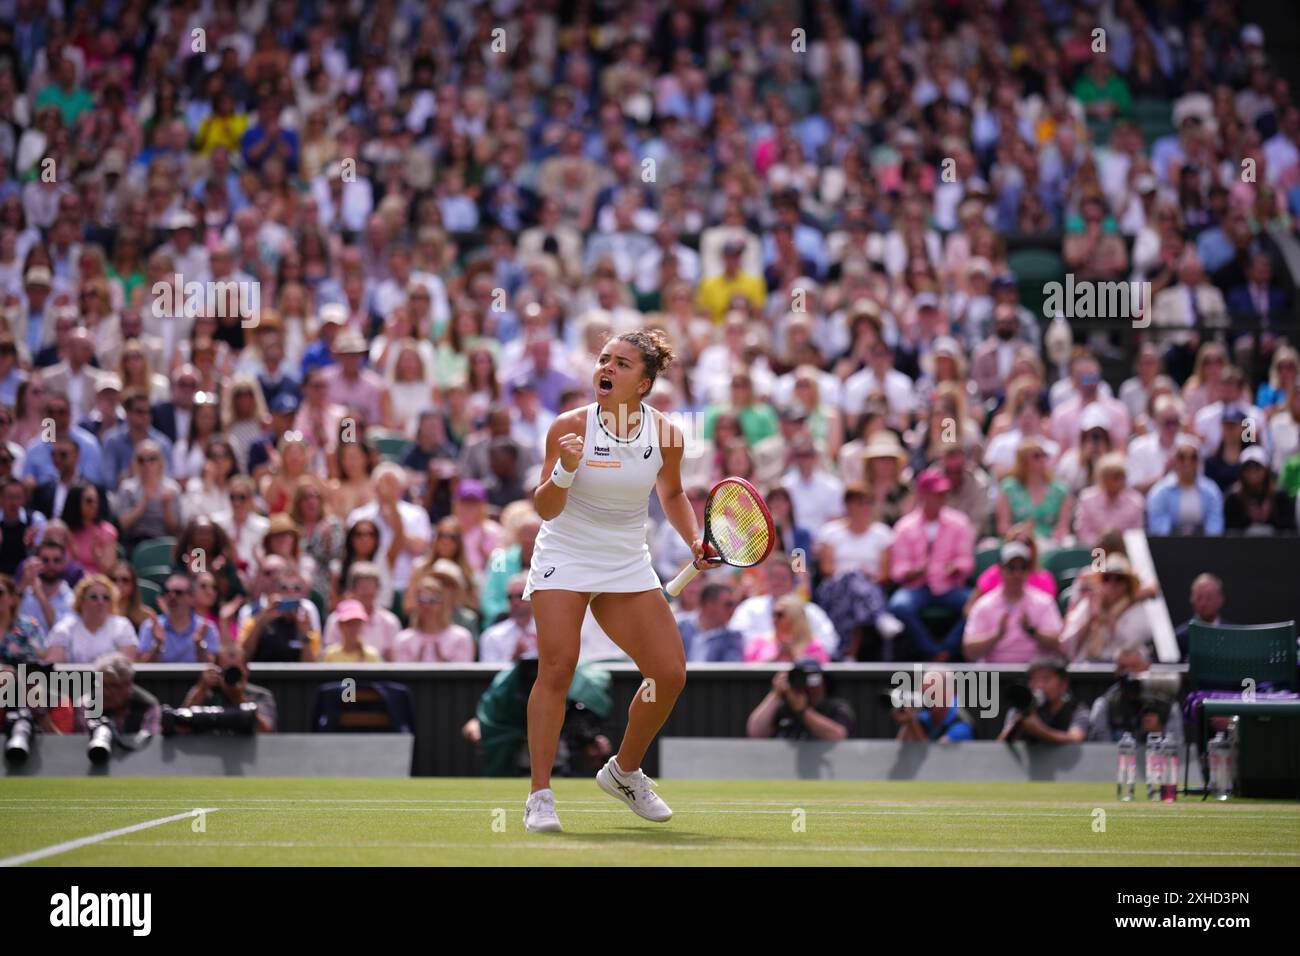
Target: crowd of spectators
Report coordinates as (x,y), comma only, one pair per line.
(422,224)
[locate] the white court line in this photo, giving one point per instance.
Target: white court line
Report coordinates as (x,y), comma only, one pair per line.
(601,806)
(1190,806)
(98,838)
(562,844)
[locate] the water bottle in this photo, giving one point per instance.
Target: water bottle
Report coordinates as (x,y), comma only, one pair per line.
(1220,755)
(1168,770)
(1126,778)
(1154,766)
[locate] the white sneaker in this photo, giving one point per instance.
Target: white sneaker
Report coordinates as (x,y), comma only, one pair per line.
(634,789)
(539,813)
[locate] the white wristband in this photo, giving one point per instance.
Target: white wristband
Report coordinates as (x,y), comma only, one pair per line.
(562,478)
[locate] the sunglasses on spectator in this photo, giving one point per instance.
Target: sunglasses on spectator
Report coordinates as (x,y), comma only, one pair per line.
(146,459)
(123,579)
(98,597)
(178,592)
(239,497)
(434,598)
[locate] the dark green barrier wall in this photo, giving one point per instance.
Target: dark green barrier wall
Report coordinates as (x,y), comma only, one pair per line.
(716,702)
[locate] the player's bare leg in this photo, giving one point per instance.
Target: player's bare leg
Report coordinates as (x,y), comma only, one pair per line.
(642,625)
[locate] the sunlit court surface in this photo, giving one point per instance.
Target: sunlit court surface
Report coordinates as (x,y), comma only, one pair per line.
(475,822)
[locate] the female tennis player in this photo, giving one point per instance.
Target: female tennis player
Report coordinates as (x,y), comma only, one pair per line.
(602,460)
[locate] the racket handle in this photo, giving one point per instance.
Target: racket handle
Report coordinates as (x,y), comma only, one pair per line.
(684,577)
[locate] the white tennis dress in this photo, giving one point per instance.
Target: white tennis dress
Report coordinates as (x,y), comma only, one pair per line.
(598,542)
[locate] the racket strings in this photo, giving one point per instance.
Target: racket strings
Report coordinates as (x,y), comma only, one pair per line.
(737,525)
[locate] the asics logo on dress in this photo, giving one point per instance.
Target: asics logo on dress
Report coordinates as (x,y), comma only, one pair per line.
(648,451)
(549,572)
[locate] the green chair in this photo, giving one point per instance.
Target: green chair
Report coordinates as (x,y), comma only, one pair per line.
(984,560)
(393,447)
(397,607)
(149,593)
(1063,599)
(1220,657)
(1034,268)
(157,573)
(1065,564)
(322,606)
(152,553)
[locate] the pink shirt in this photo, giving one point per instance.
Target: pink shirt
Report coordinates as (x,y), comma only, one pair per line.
(1065,421)
(1097,512)
(992,578)
(764,650)
(452,644)
(913,550)
(1016,646)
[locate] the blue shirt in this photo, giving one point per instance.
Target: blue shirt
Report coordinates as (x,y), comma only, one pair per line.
(178,646)
(39,462)
(119,449)
(953,727)
(61,603)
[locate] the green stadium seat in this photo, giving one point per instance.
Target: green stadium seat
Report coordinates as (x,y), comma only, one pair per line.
(1223,657)
(149,593)
(393,447)
(984,560)
(1034,268)
(157,573)
(1066,563)
(152,553)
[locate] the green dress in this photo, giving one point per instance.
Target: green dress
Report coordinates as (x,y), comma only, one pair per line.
(1044,515)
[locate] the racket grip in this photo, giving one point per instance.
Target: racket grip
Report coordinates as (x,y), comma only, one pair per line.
(684,577)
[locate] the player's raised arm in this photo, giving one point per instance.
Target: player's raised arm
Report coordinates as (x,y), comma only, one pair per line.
(563,454)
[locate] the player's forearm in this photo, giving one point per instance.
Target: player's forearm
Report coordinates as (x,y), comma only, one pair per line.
(550,499)
(680,514)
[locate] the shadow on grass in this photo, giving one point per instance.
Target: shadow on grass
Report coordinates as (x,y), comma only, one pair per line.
(633,834)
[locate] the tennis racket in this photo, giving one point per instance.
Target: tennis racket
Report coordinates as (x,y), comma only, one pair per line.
(737,525)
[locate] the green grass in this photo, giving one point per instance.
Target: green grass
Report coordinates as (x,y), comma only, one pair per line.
(450,821)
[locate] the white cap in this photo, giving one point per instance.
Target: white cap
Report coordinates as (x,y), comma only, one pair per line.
(1256,454)
(1094,416)
(1252,35)
(1015,549)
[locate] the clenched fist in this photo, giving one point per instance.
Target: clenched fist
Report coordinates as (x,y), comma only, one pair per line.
(570,451)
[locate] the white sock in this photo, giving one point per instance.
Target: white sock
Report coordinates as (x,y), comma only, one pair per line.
(619,767)
(543,790)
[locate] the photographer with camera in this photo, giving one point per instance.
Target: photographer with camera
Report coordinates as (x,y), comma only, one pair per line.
(797,708)
(1138,703)
(499,726)
(180,636)
(127,707)
(1045,711)
(225,684)
(942,721)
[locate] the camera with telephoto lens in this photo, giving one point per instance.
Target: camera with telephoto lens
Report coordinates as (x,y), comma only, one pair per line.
(899,699)
(102,736)
(20,725)
(797,678)
(232,675)
(240,721)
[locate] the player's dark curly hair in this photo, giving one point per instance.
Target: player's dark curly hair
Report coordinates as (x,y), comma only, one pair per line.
(656,351)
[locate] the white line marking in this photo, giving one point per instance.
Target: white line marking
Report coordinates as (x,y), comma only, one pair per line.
(601,806)
(564,844)
(58,848)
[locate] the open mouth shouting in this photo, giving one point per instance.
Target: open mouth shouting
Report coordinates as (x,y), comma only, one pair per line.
(604,385)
